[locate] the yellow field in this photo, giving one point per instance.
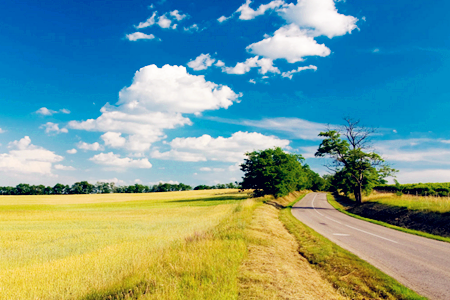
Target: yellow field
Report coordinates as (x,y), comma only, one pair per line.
(80,246)
(429,203)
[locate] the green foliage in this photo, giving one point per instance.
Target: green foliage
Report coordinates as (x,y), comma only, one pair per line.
(357,170)
(275,172)
(420,189)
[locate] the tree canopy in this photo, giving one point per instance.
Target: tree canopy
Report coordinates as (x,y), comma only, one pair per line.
(356,168)
(275,172)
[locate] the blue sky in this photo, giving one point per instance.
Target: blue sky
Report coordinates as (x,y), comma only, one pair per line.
(141,91)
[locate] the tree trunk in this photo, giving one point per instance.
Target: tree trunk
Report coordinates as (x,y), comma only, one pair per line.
(358,194)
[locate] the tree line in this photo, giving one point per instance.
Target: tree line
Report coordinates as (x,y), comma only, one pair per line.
(84,187)
(416,189)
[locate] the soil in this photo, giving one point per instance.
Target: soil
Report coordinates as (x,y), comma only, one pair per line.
(429,222)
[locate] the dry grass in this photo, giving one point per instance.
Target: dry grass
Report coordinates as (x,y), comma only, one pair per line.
(273,268)
(72,250)
(429,203)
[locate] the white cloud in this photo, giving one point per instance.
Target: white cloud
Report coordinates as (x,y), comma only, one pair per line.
(176,14)
(64,168)
(91,147)
(2,130)
(48,112)
(252,81)
(289,74)
(423,176)
(72,151)
(247,13)
(165,22)
(149,22)
(201,62)
(296,127)
(207,148)
(265,65)
(222,19)
(45,111)
(319,17)
(155,101)
(139,36)
(205,169)
(290,43)
(26,158)
(219,63)
(413,150)
(114,160)
(444,141)
(53,128)
(192,28)
(114,139)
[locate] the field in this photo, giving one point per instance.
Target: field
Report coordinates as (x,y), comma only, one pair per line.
(422,203)
(71,247)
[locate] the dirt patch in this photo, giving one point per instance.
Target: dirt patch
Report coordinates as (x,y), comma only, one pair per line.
(429,222)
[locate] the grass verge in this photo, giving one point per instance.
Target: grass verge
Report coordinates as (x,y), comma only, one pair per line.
(349,275)
(340,207)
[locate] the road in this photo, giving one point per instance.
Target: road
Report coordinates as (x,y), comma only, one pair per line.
(419,263)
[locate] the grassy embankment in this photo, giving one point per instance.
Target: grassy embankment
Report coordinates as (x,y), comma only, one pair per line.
(429,203)
(351,276)
(432,210)
(181,245)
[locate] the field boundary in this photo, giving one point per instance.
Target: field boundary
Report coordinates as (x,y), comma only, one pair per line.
(351,276)
(338,206)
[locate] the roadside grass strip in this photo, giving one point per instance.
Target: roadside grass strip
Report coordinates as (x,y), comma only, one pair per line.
(273,268)
(349,275)
(411,202)
(340,207)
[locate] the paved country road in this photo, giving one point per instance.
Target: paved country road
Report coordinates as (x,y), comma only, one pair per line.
(419,263)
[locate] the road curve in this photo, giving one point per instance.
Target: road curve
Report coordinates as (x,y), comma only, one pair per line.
(419,263)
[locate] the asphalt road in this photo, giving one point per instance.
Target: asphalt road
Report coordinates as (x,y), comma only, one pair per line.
(419,263)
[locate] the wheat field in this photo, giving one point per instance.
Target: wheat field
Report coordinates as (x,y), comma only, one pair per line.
(80,246)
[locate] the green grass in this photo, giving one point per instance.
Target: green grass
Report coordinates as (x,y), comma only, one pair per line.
(351,276)
(431,204)
(342,209)
(97,246)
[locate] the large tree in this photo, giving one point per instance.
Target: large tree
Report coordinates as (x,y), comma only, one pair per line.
(356,166)
(274,172)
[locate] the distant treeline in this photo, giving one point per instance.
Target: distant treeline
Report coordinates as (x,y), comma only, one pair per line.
(419,189)
(84,187)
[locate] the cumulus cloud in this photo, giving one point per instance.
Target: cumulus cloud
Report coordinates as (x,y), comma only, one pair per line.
(319,17)
(26,158)
(53,128)
(139,36)
(192,28)
(290,43)
(264,64)
(222,19)
(166,21)
(247,13)
(114,160)
(64,168)
(156,100)
(289,74)
(2,130)
(207,148)
(72,151)
(149,22)
(201,62)
(114,139)
(176,14)
(91,147)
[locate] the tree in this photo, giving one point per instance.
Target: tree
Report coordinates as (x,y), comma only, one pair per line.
(274,172)
(356,167)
